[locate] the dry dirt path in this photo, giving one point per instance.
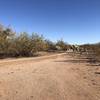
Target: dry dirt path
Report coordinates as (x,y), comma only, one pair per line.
(50,78)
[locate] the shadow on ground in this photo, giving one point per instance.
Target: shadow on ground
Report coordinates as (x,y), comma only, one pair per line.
(89,62)
(73,61)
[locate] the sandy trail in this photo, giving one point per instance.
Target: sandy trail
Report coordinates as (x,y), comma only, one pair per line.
(50,78)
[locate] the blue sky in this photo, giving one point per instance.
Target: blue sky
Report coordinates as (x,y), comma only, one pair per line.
(76,21)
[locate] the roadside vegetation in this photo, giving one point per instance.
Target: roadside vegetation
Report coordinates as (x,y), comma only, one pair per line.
(25,45)
(93,52)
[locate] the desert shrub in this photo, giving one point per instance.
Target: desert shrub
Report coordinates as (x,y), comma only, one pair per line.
(14,45)
(38,43)
(6,35)
(93,51)
(50,46)
(22,45)
(61,45)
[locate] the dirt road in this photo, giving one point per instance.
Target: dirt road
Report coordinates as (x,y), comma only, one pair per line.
(53,78)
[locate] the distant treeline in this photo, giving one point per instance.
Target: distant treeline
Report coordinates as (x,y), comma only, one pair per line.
(14,45)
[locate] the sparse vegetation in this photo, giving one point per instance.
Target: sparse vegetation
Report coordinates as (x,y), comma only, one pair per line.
(61,45)
(93,52)
(12,45)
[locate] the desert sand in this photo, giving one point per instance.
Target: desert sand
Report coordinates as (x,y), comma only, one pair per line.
(58,77)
